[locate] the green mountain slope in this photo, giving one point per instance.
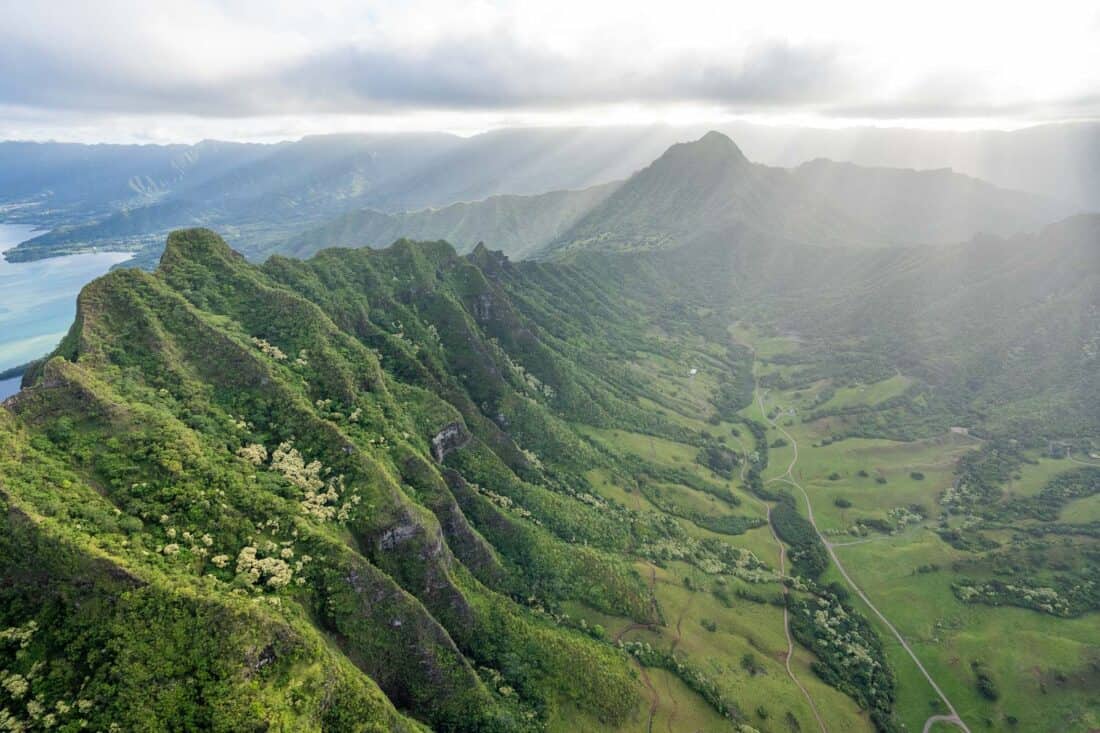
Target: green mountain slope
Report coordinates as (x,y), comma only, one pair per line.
(402,488)
(129,196)
(1006,330)
(708,185)
(252,457)
(699,187)
(517,225)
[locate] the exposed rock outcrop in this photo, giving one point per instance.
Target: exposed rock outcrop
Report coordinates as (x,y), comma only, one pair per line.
(449,439)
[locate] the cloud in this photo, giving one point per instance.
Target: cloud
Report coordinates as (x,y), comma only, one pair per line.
(494,72)
(217,60)
(486,71)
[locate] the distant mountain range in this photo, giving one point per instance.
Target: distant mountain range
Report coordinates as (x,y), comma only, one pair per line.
(520,225)
(260,196)
(129,196)
(703,186)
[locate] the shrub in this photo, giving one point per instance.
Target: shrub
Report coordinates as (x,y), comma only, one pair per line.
(987,688)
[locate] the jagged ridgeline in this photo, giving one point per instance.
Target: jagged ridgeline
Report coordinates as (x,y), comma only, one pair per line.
(288,497)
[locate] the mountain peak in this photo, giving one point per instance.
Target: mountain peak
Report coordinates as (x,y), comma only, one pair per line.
(716,143)
(713,137)
(712,152)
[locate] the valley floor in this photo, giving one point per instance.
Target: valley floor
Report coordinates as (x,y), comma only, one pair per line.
(930,637)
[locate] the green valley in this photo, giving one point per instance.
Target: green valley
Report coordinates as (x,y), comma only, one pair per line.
(752,475)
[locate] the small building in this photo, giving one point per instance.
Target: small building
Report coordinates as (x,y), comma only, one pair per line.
(960,431)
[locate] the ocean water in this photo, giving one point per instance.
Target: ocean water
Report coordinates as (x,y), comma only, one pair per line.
(38,299)
(8,387)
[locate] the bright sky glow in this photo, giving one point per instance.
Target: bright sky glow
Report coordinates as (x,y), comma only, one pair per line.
(130,70)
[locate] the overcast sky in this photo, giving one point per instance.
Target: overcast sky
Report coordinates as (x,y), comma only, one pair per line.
(181,71)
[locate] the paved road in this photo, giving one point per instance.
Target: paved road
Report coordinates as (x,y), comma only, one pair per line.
(940,719)
(1094,464)
(788,477)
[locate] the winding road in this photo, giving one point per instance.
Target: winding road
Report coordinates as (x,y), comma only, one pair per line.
(788,477)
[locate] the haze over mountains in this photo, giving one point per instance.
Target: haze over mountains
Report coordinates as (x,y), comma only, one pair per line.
(259,195)
(1005,316)
(704,186)
(130,195)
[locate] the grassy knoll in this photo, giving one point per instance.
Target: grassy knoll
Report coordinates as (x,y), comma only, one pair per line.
(1030,478)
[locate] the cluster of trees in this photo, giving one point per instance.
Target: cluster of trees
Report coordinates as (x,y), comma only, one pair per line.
(849,654)
(809,557)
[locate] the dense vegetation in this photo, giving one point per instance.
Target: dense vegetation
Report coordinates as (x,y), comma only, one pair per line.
(362,471)
(371,490)
(209,441)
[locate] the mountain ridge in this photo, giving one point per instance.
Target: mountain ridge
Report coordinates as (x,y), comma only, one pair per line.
(709,185)
(705,185)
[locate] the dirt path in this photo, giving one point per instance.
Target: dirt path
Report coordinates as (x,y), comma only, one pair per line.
(655,697)
(786,614)
(789,478)
(680,619)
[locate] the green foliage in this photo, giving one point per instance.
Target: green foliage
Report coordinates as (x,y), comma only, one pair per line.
(234,432)
(849,653)
(984,682)
(808,555)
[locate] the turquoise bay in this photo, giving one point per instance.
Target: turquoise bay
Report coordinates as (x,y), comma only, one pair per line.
(38,299)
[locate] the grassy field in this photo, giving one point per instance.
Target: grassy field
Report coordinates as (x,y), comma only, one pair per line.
(1082,510)
(948,636)
(1046,668)
(868,394)
(741,627)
